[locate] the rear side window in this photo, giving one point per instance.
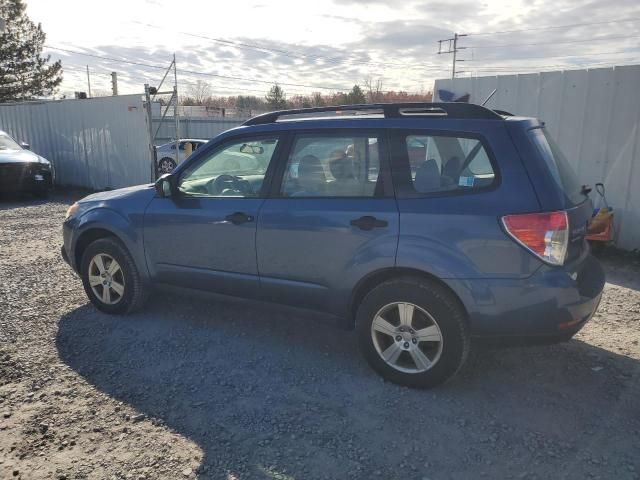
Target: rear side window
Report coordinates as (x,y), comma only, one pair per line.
(558,165)
(438,163)
(333,166)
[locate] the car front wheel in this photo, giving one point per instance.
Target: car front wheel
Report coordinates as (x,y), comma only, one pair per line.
(413,332)
(110,277)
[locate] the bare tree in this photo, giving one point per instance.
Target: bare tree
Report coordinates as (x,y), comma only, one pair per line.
(374,89)
(199,92)
(317,100)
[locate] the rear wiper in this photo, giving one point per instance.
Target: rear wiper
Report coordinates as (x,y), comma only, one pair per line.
(585,189)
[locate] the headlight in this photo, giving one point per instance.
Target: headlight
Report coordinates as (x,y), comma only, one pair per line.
(72,209)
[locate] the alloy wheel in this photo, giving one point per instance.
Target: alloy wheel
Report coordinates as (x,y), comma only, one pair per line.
(407,337)
(106,279)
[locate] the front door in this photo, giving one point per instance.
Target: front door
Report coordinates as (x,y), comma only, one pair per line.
(332,220)
(204,237)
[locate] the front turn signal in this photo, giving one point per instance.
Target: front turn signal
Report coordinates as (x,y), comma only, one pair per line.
(71,210)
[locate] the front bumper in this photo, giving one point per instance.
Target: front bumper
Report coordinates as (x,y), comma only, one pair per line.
(66,248)
(28,177)
(554,303)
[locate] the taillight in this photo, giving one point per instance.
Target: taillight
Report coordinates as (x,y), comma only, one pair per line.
(544,234)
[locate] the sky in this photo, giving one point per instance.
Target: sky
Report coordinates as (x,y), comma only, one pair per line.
(327,46)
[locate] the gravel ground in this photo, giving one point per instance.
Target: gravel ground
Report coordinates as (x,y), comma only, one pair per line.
(227,390)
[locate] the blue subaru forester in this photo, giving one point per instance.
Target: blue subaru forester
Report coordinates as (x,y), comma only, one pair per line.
(419,225)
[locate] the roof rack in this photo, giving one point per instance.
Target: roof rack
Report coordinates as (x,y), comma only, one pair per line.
(388,110)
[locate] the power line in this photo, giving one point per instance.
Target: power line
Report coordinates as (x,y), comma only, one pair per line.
(193,72)
(565,65)
(129,76)
(555,43)
(200,73)
(507,70)
(502,59)
(572,25)
(286,53)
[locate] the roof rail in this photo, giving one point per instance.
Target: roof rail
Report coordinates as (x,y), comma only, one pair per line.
(389,110)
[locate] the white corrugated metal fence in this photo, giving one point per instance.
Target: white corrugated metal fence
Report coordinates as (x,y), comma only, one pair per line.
(205,128)
(595,117)
(96,143)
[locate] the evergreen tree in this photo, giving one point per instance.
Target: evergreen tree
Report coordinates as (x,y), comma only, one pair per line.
(356,96)
(276,98)
(24,73)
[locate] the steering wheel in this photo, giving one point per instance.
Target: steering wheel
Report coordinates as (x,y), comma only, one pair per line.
(223,182)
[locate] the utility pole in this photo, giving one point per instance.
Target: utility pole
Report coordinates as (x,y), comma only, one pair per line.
(175,108)
(114,83)
(147,104)
(89,81)
(452,47)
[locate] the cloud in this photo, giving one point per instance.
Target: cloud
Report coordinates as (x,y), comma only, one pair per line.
(356,39)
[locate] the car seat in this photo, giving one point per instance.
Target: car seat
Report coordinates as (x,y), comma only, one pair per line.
(312,180)
(427,176)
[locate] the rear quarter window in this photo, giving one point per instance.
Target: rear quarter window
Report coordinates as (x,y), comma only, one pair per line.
(432,164)
(561,170)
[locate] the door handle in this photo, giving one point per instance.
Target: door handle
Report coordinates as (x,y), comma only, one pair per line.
(238,218)
(369,223)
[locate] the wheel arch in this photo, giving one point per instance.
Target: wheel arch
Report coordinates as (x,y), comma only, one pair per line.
(87,237)
(378,277)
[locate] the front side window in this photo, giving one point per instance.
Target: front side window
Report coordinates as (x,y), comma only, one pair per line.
(446,163)
(333,166)
(235,170)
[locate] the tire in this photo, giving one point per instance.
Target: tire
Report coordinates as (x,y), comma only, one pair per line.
(127,278)
(166,165)
(432,312)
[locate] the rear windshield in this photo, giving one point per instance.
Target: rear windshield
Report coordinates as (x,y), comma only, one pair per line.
(559,166)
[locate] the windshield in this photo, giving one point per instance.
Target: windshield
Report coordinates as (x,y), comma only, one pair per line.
(559,165)
(8,143)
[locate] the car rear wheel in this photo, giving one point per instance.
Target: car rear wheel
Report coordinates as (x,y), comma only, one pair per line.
(413,332)
(110,277)
(166,165)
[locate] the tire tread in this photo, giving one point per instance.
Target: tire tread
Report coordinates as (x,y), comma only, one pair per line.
(431,288)
(140,291)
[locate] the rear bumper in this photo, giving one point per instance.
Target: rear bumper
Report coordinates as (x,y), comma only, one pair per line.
(553,304)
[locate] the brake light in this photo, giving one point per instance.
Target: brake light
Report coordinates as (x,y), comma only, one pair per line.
(544,234)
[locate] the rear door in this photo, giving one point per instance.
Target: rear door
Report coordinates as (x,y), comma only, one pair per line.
(332,218)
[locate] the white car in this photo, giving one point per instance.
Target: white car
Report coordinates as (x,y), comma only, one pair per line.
(166,154)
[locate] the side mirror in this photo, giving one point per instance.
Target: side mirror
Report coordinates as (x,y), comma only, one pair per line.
(165,186)
(25,145)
